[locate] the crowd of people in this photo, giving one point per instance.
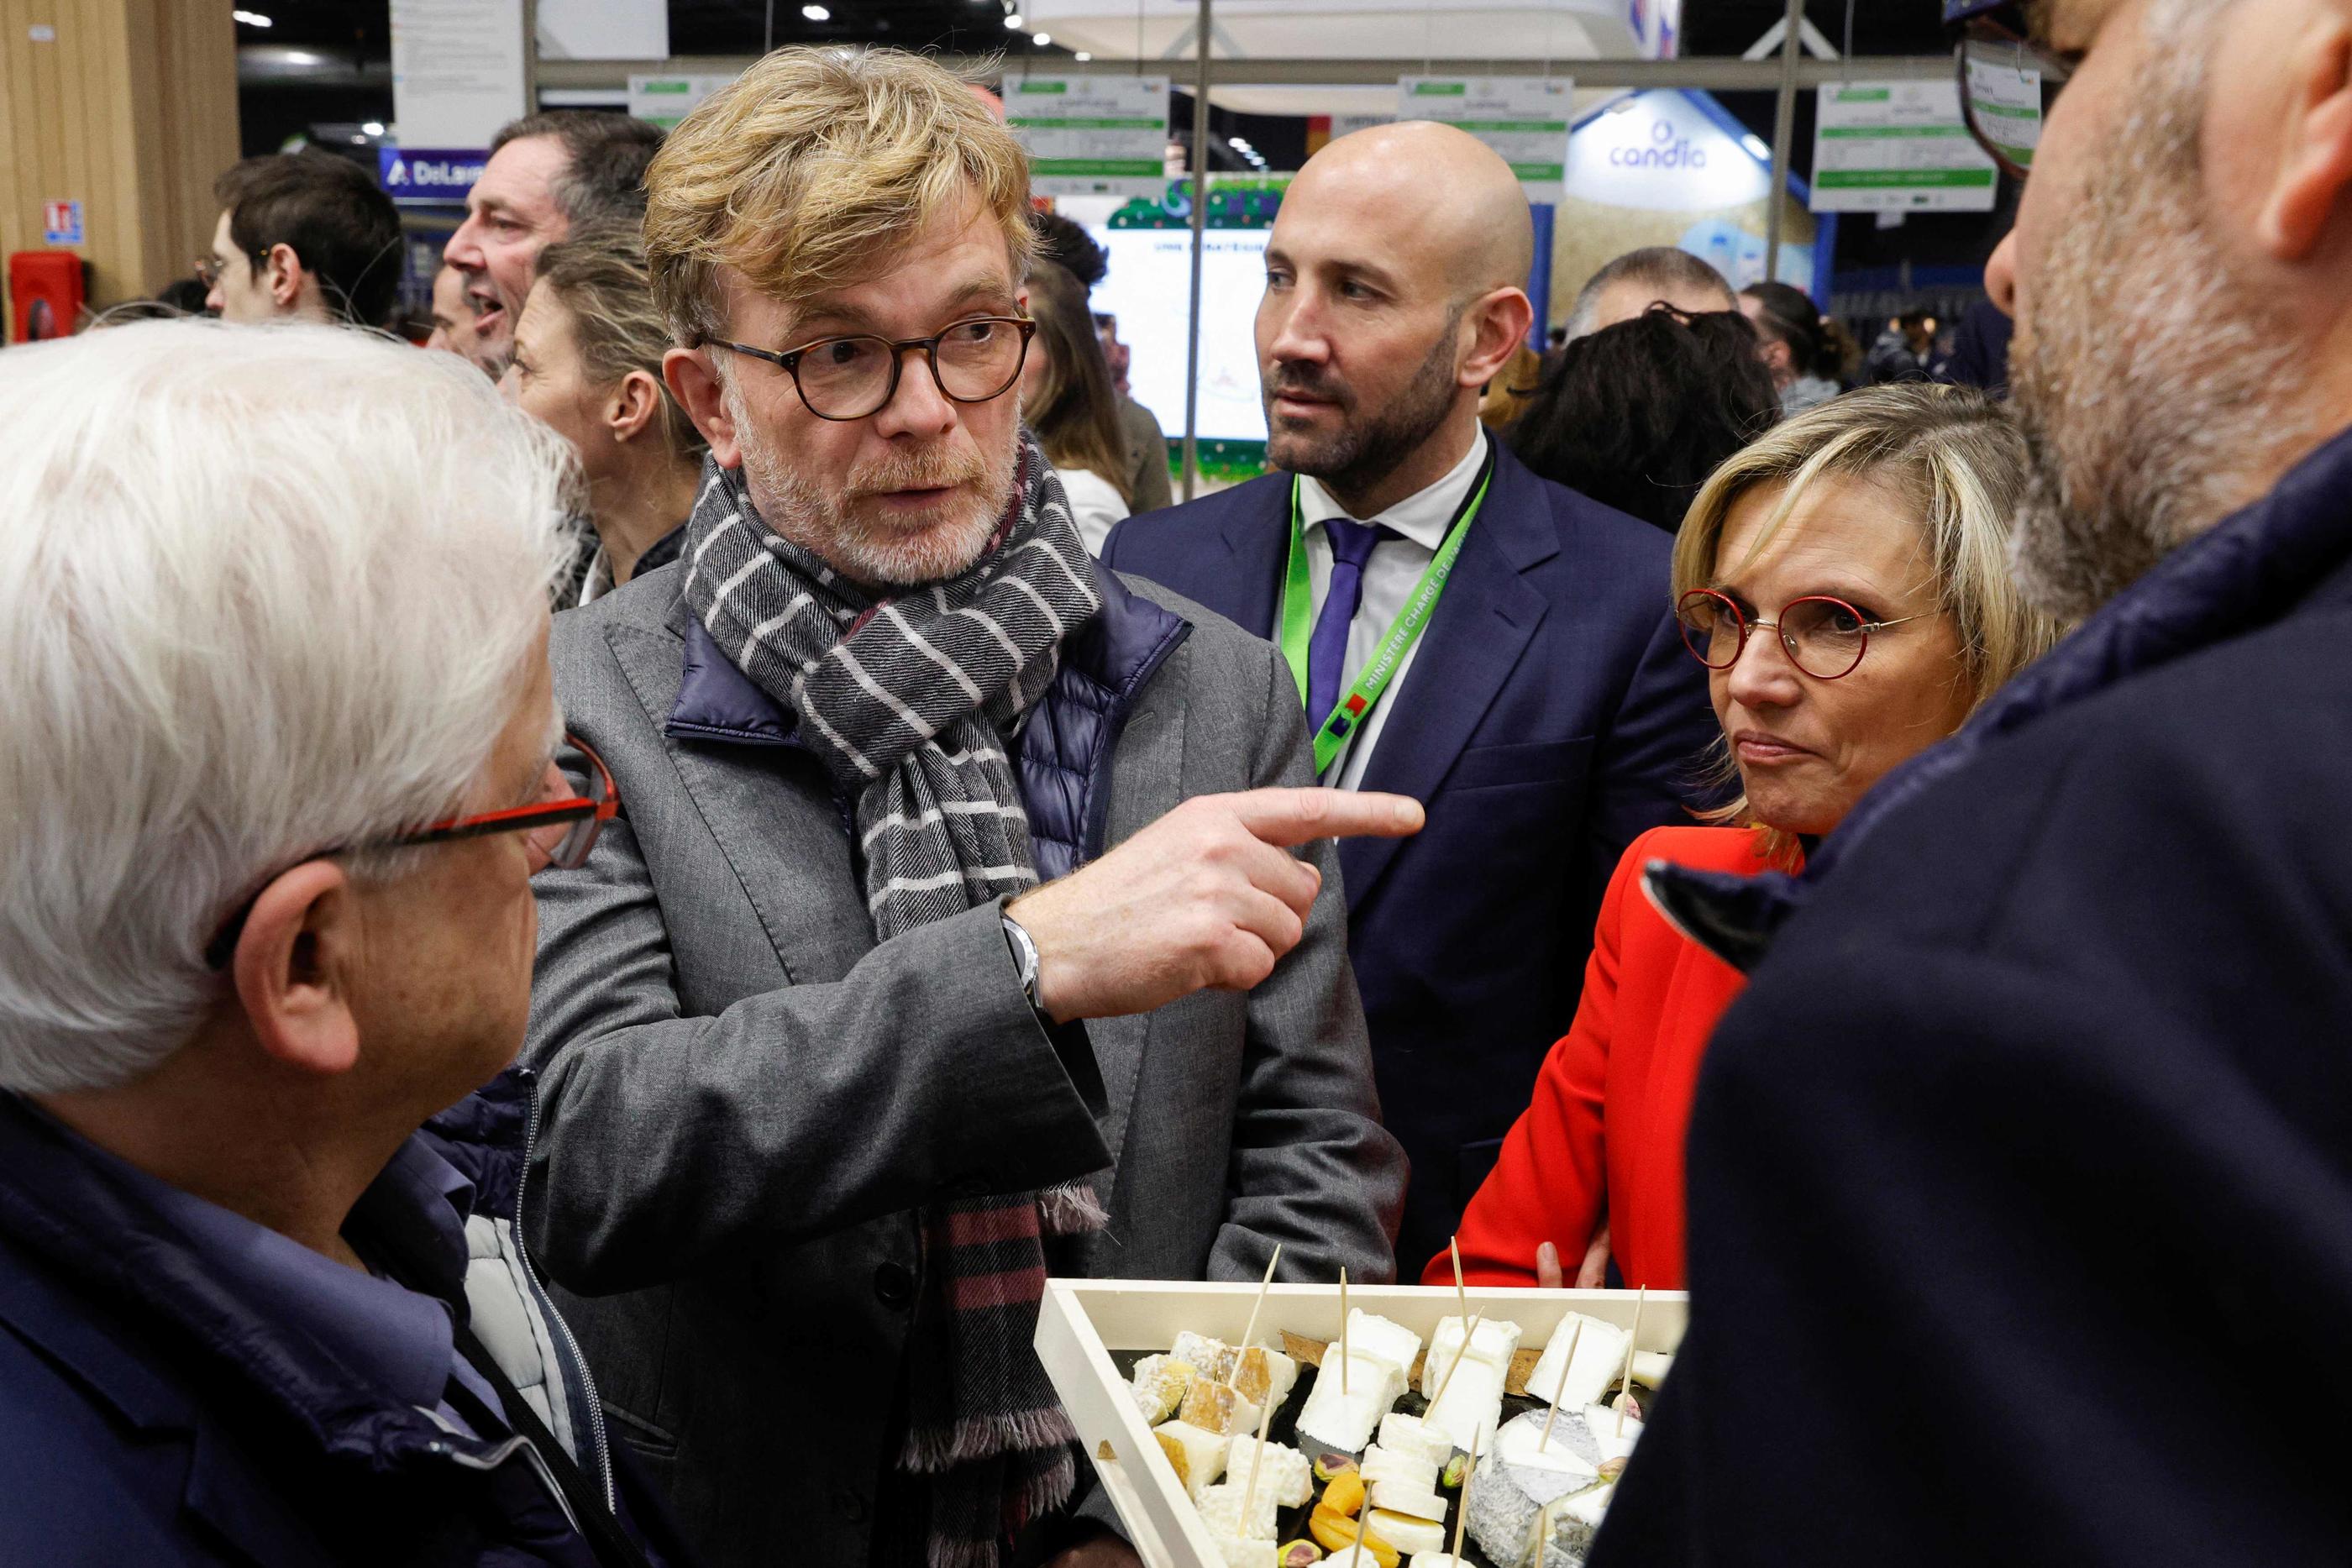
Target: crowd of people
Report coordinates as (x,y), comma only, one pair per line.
(609,1088)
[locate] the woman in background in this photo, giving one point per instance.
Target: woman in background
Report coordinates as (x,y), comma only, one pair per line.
(1845,583)
(1805,357)
(1638,414)
(1505,397)
(587,363)
(1066,399)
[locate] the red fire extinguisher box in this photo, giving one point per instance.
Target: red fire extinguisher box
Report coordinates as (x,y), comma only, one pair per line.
(45,294)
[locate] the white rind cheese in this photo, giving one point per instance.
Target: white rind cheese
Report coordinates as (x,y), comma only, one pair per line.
(1220,1510)
(1494,1342)
(1345,1420)
(1600,1358)
(1284,1472)
(1199,1457)
(1406,1533)
(1403,1434)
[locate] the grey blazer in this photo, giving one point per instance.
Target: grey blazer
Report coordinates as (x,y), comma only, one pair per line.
(745,1099)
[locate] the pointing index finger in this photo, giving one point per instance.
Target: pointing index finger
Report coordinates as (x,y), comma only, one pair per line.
(1290,818)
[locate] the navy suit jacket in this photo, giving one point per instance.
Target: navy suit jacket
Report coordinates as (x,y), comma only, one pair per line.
(1551,716)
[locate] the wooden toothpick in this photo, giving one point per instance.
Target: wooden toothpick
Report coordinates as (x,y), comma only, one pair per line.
(1264,1424)
(1249,1331)
(1343,1331)
(1461,1503)
(1561,1387)
(1461,1296)
(1363,1520)
(1633,1337)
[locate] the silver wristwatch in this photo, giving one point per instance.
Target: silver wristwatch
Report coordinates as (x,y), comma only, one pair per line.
(1024,958)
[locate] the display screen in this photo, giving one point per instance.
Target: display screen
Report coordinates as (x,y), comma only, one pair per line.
(1148,286)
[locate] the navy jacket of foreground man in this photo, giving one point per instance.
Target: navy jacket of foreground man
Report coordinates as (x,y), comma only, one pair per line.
(1550,716)
(2020,1177)
(153,1412)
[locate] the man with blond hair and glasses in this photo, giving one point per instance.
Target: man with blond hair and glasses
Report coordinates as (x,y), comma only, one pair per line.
(958,929)
(2021,1176)
(266,859)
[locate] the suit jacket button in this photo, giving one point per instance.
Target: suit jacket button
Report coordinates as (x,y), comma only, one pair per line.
(894,1284)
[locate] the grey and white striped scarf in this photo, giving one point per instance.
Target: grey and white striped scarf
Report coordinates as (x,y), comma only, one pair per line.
(913,702)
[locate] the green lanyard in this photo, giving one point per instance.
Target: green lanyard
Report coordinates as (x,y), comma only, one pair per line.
(1299,622)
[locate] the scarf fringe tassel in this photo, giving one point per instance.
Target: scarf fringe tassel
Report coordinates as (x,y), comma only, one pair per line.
(930,1451)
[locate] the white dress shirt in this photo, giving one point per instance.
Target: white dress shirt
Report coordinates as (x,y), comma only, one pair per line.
(1389,580)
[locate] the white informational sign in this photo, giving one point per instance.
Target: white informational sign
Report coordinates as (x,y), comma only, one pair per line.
(1658,152)
(664,100)
(1091,136)
(1147,287)
(603,29)
(1897,146)
(457,70)
(1524,118)
(2007,101)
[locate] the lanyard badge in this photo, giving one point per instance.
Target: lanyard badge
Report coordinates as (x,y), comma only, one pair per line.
(1357,702)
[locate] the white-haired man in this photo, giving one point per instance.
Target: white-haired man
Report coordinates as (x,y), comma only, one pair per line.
(2021,1176)
(833,1083)
(266,850)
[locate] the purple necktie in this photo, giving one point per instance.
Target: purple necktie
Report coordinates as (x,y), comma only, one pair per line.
(1327,649)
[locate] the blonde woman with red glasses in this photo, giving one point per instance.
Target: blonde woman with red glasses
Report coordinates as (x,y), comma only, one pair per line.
(1844,580)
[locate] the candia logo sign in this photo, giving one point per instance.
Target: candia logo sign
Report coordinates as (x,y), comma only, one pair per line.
(1665,151)
(1660,151)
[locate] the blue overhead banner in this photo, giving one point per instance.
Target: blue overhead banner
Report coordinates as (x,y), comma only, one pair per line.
(438,176)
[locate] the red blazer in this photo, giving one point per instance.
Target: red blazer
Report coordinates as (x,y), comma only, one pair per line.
(1604,1137)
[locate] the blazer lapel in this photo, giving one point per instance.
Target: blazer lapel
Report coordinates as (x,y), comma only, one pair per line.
(783,838)
(1475,640)
(1257,537)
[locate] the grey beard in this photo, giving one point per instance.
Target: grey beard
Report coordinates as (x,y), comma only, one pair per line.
(2151,385)
(803,514)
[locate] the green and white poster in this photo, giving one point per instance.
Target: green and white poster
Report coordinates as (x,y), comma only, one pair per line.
(664,100)
(1897,147)
(1090,135)
(1523,119)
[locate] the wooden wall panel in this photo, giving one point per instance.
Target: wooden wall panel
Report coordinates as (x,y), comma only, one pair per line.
(131,109)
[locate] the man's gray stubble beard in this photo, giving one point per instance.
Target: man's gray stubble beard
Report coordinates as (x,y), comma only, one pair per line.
(2148,381)
(805,515)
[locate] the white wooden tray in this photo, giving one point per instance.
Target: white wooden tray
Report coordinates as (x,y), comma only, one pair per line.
(1081,1322)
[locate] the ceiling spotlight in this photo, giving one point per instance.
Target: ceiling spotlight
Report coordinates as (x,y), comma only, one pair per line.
(1236,143)
(373,128)
(816,12)
(1041,40)
(251,18)
(1012,22)
(303,57)
(1084,56)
